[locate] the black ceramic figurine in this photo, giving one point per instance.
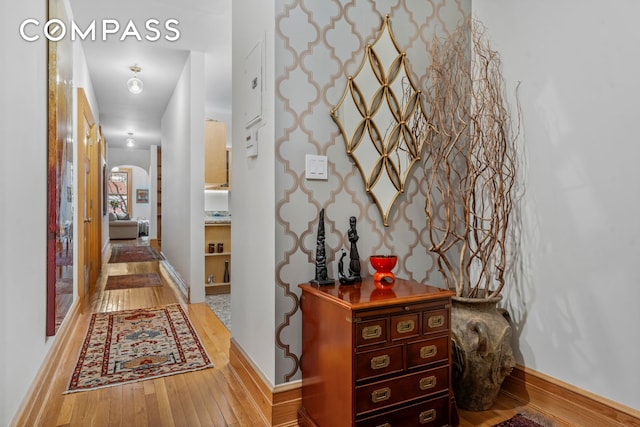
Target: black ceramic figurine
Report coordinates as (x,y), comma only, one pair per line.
(345,280)
(354,256)
(321,260)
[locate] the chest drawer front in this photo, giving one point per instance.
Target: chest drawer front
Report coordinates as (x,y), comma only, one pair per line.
(405,326)
(378,362)
(371,332)
(390,392)
(435,321)
(424,352)
(431,413)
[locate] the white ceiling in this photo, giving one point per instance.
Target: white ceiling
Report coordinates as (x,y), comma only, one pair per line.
(204,25)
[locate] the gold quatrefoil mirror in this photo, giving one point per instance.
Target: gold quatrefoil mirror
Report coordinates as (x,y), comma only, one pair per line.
(381,118)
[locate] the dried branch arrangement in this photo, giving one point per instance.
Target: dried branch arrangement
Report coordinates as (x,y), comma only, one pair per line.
(470,163)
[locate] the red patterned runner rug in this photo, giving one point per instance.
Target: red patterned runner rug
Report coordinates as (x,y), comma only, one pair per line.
(129,281)
(133,254)
(133,345)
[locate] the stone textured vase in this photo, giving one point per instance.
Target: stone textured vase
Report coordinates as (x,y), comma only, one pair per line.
(482,354)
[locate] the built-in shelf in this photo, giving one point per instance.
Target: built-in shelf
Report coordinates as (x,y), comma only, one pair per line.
(217,288)
(214,262)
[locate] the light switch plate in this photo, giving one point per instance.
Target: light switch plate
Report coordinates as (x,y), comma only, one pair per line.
(316,166)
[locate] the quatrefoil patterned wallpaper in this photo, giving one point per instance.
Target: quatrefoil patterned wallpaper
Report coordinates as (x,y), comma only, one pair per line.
(318,44)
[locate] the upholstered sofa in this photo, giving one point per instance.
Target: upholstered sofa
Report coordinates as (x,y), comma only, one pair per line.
(122,228)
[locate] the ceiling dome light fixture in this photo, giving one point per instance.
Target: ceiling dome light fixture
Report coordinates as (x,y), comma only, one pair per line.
(134,84)
(130,141)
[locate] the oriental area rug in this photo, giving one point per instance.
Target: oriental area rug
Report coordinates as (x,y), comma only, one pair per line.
(133,254)
(134,345)
(129,281)
(526,420)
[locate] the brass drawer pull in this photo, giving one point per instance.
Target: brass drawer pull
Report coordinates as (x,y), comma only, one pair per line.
(380,362)
(405,326)
(428,351)
(371,332)
(427,416)
(381,395)
(427,383)
(435,321)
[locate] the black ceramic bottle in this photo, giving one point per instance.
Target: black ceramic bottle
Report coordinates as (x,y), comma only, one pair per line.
(226,278)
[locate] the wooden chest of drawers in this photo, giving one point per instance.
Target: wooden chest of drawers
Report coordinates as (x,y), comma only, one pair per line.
(375,357)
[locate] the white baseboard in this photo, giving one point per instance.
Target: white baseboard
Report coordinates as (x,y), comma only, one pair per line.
(182,286)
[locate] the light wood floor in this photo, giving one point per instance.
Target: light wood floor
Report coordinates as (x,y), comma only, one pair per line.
(210,397)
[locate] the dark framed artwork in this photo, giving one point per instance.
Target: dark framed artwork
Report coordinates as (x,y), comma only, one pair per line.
(142,195)
(60,195)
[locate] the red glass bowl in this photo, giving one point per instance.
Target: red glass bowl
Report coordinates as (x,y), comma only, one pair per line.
(383,264)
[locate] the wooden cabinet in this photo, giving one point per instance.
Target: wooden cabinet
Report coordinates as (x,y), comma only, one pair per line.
(214,262)
(215,154)
(376,357)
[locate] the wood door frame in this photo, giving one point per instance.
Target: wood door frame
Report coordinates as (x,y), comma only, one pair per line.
(95,201)
(85,117)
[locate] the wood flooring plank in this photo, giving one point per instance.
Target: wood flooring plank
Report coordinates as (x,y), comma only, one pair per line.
(115,407)
(236,394)
(140,417)
(91,406)
(204,385)
(190,413)
(177,411)
(230,400)
(149,387)
(126,405)
(164,407)
(153,409)
(100,417)
(207,410)
(219,410)
(77,417)
(66,410)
